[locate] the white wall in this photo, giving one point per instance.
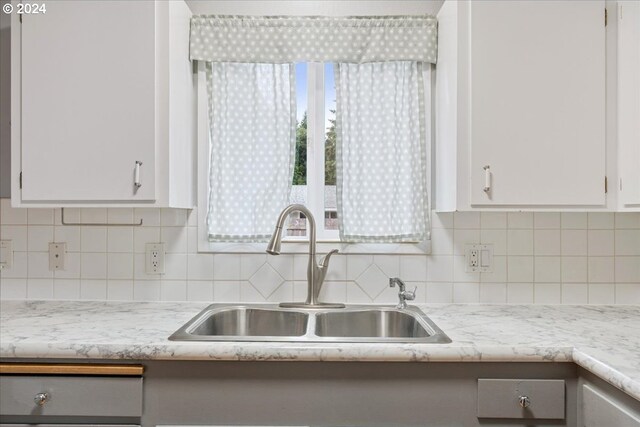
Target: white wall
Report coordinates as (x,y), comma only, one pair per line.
(568,258)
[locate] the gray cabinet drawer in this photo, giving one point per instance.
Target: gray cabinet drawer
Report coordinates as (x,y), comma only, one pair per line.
(71,396)
(499,398)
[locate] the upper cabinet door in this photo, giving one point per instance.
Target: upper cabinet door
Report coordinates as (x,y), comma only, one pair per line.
(537,89)
(88,102)
(629,103)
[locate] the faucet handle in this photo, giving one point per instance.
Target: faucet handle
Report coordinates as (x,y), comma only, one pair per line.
(410,295)
(324,261)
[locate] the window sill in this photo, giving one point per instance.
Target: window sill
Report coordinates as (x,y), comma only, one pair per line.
(301,247)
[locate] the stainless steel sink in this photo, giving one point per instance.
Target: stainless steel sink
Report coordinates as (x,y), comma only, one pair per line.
(252,322)
(379,324)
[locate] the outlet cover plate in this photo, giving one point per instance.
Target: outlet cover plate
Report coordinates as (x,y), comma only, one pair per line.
(6,254)
(154,256)
(57,253)
(478,258)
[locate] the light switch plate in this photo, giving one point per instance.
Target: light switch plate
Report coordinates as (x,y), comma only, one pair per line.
(478,258)
(57,252)
(6,254)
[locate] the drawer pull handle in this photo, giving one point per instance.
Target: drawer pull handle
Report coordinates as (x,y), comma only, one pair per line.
(41,399)
(524,401)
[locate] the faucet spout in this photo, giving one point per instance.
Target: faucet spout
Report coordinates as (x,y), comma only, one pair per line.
(315,273)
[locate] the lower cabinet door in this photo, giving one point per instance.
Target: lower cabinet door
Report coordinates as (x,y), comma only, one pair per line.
(600,410)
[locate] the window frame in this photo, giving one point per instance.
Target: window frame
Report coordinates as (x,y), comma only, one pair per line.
(328,239)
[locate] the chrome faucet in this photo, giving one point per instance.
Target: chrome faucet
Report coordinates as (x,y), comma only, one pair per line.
(403,294)
(315,272)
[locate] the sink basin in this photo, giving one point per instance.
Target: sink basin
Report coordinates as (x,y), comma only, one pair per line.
(362,324)
(389,323)
(244,321)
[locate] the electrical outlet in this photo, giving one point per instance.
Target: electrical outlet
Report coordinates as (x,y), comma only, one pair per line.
(57,253)
(6,254)
(473,257)
(479,258)
(155,258)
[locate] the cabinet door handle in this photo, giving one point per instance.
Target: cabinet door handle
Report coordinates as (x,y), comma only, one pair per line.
(136,175)
(487,179)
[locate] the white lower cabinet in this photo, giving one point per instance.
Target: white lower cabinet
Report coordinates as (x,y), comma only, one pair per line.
(103,105)
(521,106)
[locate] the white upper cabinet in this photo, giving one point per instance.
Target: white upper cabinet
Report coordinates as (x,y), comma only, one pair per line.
(629,104)
(520,105)
(104,112)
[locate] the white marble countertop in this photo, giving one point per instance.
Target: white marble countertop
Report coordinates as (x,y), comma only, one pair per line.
(603,339)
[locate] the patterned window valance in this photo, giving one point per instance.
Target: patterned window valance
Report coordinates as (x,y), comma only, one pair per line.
(282,39)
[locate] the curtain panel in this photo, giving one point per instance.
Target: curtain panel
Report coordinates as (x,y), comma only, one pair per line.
(287,39)
(381,166)
(252,119)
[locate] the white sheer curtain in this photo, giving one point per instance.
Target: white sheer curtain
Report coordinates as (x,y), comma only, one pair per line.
(381,152)
(252,140)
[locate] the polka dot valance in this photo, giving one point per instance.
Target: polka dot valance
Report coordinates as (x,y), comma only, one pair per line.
(286,39)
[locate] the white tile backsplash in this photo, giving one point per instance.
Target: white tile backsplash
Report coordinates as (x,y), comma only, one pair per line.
(602,293)
(546,242)
(573,220)
(573,242)
(520,220)
(627,242)
(546,220)
(493,293)
(200,290)
(601,220)
(93,239)
(601,242)
(601,270)
(40,216)
(547,293)
(39,288)
(542,258)
(120,290)
(520,293)
(120,239)
(575,293)
(439,293)
(17,234)
(39,237)
(66,289)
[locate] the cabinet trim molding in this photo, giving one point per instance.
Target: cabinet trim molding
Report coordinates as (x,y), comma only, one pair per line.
(70,369)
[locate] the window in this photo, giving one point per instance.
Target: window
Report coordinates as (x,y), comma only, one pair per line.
(315,153)
(354,152)
(314,170)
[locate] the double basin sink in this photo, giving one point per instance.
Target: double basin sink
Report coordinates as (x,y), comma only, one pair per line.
(362,324)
